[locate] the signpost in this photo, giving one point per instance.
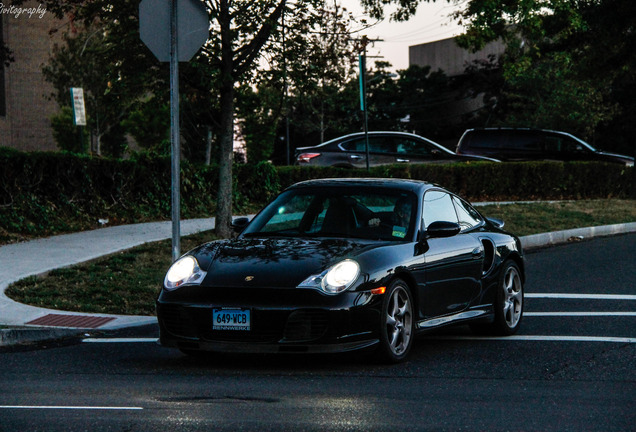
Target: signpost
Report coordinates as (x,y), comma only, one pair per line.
(174,30)
(79,111)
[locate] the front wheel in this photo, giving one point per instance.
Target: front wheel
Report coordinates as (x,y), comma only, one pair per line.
(509,304)
(396,324)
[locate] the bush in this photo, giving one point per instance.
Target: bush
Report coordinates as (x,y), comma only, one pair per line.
(46,193)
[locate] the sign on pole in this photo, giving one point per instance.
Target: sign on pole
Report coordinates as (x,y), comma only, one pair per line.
(79,110)
(193,27)
(174,30)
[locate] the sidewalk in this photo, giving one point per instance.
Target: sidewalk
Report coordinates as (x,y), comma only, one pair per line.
(18,261)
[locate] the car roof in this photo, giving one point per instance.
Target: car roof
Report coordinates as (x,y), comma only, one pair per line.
(524,129)
(404,184)
(371,133)
(534,130)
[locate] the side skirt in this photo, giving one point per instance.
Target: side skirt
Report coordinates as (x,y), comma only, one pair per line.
(474,312)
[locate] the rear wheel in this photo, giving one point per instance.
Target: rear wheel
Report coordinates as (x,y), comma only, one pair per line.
(396,331)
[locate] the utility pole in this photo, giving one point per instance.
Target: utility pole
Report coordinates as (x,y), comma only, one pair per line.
(285,95)
(362,60)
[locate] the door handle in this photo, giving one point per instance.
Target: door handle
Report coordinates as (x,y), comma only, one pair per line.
(477,253)
(355,157)
(402,160)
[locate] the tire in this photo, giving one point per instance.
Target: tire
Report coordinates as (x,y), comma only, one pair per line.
(396,323)
(508,303)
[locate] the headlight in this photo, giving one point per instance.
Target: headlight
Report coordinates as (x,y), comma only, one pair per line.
(335,279)
(185,271)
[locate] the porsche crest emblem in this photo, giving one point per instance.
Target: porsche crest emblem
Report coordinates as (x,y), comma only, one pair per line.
(248,278)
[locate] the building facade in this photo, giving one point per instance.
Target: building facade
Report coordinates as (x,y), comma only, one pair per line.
(30,32)
(460,111)
(448,56)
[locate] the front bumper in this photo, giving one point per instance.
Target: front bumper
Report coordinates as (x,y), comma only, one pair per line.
(345,325)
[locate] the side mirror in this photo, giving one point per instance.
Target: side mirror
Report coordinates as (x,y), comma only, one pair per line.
(441,229)
(239,224)
(498,223)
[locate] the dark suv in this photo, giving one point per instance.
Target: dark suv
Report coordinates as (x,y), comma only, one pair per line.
(385,148)
(507,144)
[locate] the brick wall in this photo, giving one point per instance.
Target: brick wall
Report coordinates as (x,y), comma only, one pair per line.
(26,125)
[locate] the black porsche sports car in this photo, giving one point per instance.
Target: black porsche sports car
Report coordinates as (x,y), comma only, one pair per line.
(343,264)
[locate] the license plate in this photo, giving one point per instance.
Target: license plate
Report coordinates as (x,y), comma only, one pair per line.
(231,319)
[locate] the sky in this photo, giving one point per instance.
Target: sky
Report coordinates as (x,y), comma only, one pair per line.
(431,23)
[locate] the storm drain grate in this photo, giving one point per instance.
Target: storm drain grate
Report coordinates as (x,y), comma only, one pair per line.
(78,321)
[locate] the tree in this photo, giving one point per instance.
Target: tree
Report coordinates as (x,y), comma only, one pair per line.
(238,32)
(565,61)
(313,60)
(102,53)
(306,80)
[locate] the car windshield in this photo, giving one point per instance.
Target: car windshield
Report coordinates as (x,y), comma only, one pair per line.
(374,214)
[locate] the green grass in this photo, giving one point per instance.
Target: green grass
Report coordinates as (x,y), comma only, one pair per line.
(129,282)
(123,283)
(526,219)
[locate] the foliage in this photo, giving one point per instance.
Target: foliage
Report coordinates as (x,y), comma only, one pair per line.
(68,136)
(149,125)
(259,111)
(102,53)
(46,193)
(306,82)
(569,65)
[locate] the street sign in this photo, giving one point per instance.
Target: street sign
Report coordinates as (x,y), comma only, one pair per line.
(174,30)
(79,111)
(192,27)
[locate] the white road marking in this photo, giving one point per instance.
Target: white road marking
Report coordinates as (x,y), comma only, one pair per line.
(537,338)
(582,296)
(119,340)
(575,314)
(59,407)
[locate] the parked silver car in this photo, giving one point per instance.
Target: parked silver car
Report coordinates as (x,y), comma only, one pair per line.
(385,148)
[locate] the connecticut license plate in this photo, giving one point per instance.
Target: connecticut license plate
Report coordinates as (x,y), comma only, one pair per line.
(230,319)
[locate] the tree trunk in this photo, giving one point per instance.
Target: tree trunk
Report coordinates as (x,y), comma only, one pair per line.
(224,196)
(223,221)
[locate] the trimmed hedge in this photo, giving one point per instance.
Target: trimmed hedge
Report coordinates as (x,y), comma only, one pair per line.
(45,193)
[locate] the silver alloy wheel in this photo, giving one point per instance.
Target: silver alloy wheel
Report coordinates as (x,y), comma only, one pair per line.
(513,297)
(399,321)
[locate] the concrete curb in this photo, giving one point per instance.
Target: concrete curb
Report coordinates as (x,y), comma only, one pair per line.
(26,336)
(578,234)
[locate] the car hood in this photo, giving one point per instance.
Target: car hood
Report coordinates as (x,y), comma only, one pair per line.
(272,262)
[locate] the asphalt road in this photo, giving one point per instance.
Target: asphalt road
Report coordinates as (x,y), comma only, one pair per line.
(571,367)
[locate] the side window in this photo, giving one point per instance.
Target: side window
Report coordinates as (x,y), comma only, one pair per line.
(468,216)
(572,146)
(438,206)
(376,145)
(521,140)
(354,145)
(408,146)
(381,145)
(553,144)
(486,140)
